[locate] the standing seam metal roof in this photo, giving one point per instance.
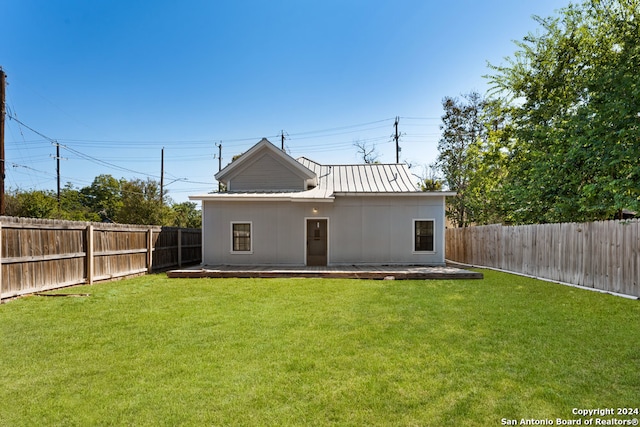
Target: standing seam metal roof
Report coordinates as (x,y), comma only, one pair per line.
(335,180)
(369,178)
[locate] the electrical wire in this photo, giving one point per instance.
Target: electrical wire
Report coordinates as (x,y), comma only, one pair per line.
(304,142)
(104,163)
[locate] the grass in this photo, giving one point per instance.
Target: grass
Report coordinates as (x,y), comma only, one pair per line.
(159,351)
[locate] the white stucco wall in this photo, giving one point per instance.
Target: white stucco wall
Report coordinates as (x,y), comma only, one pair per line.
(362,230)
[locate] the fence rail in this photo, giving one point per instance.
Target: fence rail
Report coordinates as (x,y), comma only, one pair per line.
(38,255)
(603,255)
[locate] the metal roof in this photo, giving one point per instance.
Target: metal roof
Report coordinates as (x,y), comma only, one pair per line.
(364,178)
(340,180)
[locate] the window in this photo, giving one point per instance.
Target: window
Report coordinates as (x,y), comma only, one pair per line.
(241,237)
(423,235)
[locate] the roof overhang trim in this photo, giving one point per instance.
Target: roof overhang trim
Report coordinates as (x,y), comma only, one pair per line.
(260,198)
(397,194)
(297,197)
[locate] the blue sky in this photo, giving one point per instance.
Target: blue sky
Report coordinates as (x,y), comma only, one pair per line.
(116,81)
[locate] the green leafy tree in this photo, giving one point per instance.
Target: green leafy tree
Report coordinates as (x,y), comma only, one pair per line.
(573,96)
(430,181)
(129,202)
(473,159)
(462,130)
(186,215)
(431,184)
(32,204)
(141,203)
(490,167)
(73,207)
(103,197)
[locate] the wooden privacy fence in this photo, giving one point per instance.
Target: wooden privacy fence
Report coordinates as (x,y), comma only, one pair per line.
(603,255)
(37,255)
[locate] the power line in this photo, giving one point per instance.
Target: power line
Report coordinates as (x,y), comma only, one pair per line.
(320,133)
(421,118)
(299,135)
(82,155)
(12,117)
(304,143)
(342,128)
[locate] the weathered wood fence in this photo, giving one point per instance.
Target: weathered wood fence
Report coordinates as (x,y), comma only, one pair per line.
(37,255)
(603,255)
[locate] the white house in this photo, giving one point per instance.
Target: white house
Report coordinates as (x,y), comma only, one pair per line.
(282,211)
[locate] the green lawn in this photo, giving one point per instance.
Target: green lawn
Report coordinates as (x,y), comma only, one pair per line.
(159,351)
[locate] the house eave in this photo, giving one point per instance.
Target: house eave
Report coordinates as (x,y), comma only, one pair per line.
(302,197)
(294,197)
(397,194)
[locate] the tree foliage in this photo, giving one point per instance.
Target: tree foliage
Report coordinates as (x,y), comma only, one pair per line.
(558,138)
(106,199)
(187,215)
(471,160)
(103,197)
(431,184)
(430,179)
(141,203)
(572,93)
(32,204)
(461,129)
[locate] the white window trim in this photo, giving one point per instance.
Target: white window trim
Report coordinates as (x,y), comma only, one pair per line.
(413,236)
(250,238)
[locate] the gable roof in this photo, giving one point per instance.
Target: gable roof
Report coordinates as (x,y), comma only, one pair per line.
(264,146)
(328,181)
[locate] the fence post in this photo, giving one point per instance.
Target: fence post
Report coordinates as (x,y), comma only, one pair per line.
(89,255)
(1,261)
(149,250)
(179,247)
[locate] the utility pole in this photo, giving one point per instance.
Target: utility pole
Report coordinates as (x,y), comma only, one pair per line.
(219,163)
(282,140)
(58,170)
(3,84)
(397,138)
(219,155)
(58,158)
(162,177)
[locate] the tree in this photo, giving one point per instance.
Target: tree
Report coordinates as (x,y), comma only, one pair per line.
(368,153)
(186,215)
(141,203)
(572,92)
(490,167)
(462,130)
(104,197)
(430,184)
(32,204)
(73,206)
(430,181)
(472,158)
